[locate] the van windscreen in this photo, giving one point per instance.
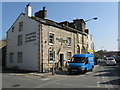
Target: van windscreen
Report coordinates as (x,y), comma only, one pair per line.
(79,59)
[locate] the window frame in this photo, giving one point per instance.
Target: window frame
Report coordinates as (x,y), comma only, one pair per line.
(20,40)
(21,26)
(13,28)
(69,40)
(11,58)
(19,57)
(51,39)
(69,54)
(51,55)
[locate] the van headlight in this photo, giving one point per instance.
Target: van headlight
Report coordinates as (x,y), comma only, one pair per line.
(82,68)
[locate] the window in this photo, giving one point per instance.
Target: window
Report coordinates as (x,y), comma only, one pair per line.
(19,57)
(51,55)
(19,40)
(69,41)
(69,54)
(51,38)
(11,57)
(78,49)
(21,26)
(78,38)
(12,29)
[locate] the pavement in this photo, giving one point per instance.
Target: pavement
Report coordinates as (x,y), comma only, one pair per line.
(58,73)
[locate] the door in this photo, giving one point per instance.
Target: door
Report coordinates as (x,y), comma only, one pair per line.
(61,60)
(88,65)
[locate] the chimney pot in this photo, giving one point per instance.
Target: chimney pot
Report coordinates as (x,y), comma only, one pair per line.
(41,13)
(28,10)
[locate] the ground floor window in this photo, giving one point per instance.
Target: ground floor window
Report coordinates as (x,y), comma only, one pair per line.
(20,57)
(78,49)
(69,54)
(11,57)
(51,55)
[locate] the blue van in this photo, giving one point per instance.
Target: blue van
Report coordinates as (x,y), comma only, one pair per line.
(81,63)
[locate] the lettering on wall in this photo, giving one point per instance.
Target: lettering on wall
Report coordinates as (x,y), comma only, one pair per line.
(61,40)
(30,37)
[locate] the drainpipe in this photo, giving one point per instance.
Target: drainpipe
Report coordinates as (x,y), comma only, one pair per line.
(74,43)
(40,60)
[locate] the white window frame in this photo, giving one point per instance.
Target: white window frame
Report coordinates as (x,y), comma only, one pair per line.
(69,57)
(19,57)
(53,41)
(51,55)
(69,41)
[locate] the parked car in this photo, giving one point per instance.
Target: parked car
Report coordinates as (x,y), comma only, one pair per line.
(117,58)
(110,61)
(81,63)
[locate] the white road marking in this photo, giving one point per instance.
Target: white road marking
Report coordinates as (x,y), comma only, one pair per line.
(78,85)
(51,82)
(105,79)
(44,79)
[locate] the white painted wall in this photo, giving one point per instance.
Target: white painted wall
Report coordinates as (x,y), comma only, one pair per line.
(29,49)
(90,42)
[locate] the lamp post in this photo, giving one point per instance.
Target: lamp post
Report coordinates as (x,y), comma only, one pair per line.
(95,18)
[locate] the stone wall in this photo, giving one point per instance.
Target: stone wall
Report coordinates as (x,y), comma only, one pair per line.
(59,47)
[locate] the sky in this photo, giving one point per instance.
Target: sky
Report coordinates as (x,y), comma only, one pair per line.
(104,30)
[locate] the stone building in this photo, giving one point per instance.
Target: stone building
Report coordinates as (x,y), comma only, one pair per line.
(2,52)
(35,42)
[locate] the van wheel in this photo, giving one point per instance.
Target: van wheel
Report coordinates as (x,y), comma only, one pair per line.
(92,68)
(70,72)
(84,71)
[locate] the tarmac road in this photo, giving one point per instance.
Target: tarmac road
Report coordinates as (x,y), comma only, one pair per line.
(102,77)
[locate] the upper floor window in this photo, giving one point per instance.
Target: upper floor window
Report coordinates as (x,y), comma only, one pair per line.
(21,26)
(12,29)
(69,41)
(11,57)
(20,40)
(19,56)
(69,54)
(51,38)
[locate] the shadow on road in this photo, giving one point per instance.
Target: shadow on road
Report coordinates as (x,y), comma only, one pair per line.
(113,82)
(110,71)
(8,70)
(64,72)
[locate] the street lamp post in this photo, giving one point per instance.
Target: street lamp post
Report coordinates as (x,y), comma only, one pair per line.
(95,18)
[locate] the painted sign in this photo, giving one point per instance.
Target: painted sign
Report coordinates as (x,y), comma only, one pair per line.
(61,40)
(30,37)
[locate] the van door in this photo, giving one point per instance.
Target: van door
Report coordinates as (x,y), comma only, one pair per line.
(88,64)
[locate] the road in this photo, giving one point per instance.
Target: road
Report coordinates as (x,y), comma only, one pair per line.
(102,77)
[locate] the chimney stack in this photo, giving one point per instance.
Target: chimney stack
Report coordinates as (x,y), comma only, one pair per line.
(80,24)
(41,14)
(28,10)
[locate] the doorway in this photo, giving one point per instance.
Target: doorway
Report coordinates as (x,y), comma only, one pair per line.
(61,60)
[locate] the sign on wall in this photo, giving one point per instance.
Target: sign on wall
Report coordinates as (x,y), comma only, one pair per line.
(30,37)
